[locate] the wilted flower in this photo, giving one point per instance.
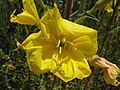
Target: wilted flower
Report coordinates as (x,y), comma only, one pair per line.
(29,16)
(62,49)
(111,71)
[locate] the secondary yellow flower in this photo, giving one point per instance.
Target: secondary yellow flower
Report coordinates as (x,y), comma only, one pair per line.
(64,50)
(29,16)
(100,4)
(108,7)
(111,71)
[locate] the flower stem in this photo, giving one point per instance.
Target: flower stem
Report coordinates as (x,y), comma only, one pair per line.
(81,7)
(68,8)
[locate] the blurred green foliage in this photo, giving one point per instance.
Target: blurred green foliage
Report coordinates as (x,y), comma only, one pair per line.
(14,70)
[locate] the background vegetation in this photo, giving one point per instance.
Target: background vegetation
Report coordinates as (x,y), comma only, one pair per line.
(14,70)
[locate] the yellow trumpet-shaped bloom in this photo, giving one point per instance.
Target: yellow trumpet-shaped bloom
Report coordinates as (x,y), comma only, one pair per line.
(111,71)
(106,4)
(109,6)
(29,16)
(64,50)
(100,4)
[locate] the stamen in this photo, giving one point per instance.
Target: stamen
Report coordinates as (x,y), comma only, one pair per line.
(58,43)
(60,50)
(61,44)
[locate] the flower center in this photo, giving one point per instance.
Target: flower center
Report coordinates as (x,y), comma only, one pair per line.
(61,44)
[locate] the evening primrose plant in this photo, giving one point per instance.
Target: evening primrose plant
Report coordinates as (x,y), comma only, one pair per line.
(61,47)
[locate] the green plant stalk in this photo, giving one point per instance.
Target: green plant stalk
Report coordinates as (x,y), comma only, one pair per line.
(81,19)
(81,7)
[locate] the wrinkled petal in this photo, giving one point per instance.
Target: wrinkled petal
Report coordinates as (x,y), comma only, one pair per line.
(35,61)
(79,30)
(24,18)
(30,7)
(54,22)
(85,45)
(35,39)
(32,40)
(71,69)
(72,66)
(84,38)
(38,39)
(109,79)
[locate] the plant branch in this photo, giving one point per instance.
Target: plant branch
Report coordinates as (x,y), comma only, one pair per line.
(68,8)
(81,7)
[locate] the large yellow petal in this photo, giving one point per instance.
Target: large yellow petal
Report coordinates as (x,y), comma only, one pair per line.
(73,69)
(85,45)
(35,61)
(74,65)
(83,38)
(30,7)
(24,18)
(34,40)
(38,39)
(54,22)
(79,30)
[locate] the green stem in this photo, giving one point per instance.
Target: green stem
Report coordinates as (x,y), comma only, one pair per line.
(81,7)
(40,2)
(81,19)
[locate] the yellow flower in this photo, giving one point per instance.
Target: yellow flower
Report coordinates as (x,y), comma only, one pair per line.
(62,49)
(111,71)
(29,16)
(108,7)
(100,4)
